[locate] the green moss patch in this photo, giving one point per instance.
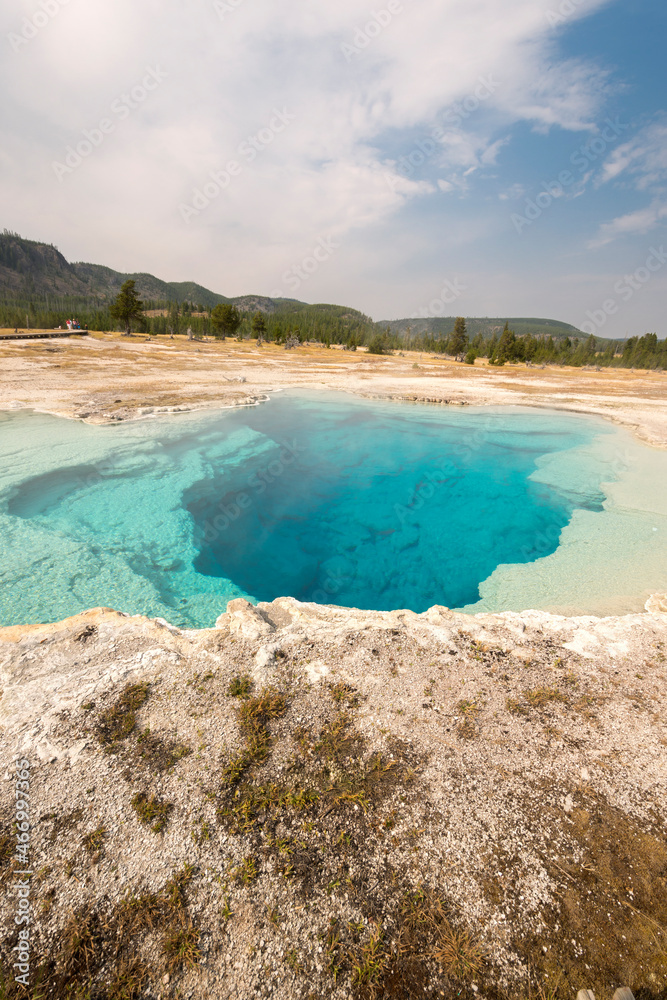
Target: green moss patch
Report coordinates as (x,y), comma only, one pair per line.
(116,723)
(151,811)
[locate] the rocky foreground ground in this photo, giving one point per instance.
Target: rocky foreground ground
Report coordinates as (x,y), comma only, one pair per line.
(311,802)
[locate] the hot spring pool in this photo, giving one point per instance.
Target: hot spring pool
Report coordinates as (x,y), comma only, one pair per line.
(332,499)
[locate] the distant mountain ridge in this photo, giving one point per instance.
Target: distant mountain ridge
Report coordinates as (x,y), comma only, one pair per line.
(33,270)
(441,326)
(28,268)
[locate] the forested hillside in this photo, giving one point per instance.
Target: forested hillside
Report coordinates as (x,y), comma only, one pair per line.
(40,289)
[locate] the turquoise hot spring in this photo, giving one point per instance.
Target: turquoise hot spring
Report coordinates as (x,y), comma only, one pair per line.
(329,498)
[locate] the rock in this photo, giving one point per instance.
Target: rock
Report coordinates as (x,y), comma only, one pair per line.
(657,604)
(462,798)
(244,619)
(317,671)
(523,654)
(266,655)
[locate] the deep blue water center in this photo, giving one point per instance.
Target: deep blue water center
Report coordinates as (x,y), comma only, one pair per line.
(322,496)
(385,506)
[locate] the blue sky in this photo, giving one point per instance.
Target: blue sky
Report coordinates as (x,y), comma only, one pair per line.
(412,157)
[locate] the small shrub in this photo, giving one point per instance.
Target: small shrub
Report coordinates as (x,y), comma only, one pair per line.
(181,947)
(152,812)
(378,345)
(93,842)
(117,722)
(159,754)
(240,687)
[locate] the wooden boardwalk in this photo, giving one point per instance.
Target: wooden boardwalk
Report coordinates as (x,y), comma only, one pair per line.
(42,335)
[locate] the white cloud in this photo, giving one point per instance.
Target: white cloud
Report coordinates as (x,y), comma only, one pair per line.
(326,173)
(631,224)
(643,159)
(512,193)
(640,163)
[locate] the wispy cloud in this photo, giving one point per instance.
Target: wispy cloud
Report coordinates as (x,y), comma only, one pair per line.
(224,79)
(643,159)
(641,164)
(334,172)
(631,224)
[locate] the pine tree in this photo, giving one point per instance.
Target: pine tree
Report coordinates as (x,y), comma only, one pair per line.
(458,341)
(378,344)
(506,348)
(128,306)
(226,320)
(174,323)
(259,327)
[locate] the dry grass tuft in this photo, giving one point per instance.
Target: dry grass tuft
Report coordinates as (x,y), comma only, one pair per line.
(151,810)
(254,715)
(240,687)
(129,981)
(467,728)
(181,947)
(94,842)
(117,722)
(158,754)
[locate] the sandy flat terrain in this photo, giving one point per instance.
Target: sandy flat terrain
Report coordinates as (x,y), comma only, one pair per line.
(109,377)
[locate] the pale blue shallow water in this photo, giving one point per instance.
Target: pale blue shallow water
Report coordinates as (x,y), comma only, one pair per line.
(324,497)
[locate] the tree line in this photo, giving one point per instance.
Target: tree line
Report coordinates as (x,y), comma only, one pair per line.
(636,352)
(293,323)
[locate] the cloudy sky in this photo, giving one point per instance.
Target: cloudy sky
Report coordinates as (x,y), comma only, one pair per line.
(476,157)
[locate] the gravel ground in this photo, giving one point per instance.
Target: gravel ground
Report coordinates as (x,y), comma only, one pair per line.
(313,801)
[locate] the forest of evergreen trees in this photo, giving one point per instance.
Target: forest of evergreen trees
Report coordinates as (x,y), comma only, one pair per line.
(337,325)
